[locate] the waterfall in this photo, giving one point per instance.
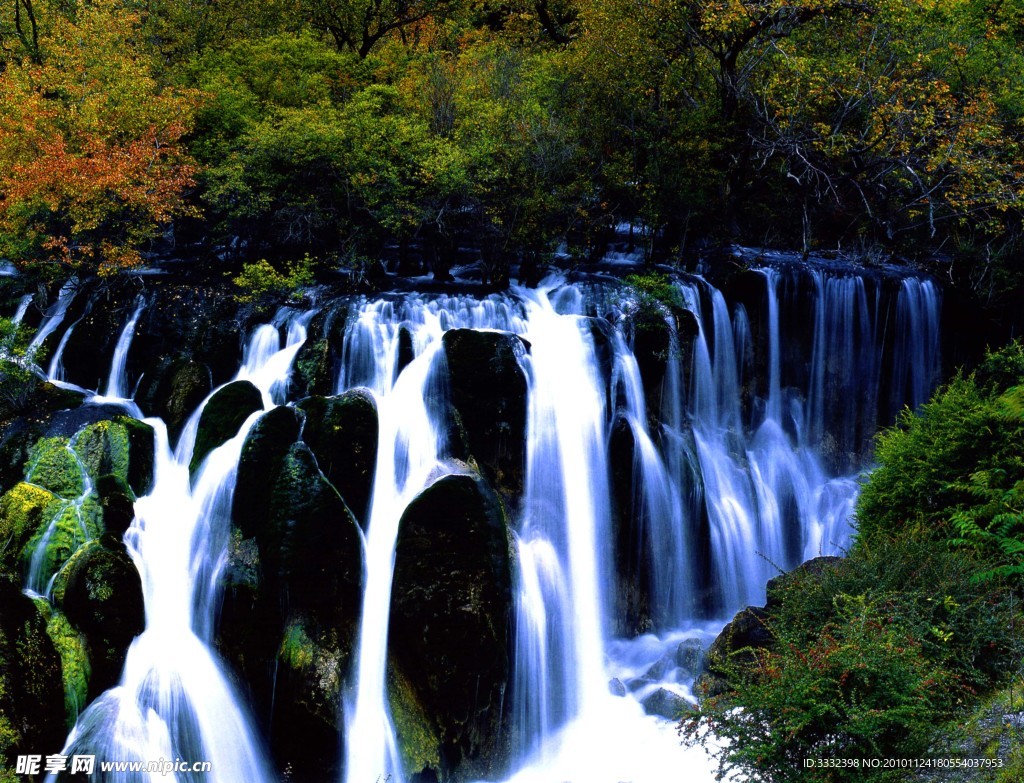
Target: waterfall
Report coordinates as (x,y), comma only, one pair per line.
(116,383)
(175,700)
(411,446)
(54,316)
(745,459)
(23,303)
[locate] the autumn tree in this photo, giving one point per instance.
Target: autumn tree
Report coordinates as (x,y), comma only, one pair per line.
(91,162)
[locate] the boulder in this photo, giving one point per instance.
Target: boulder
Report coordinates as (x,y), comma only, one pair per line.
(173,388)
(315,371)
(814,570)
(32,716)
(342,432)
(70,528)
(223,416)
(451,606)
(736,645)
(488,389)
(690,656)
(53,465)
(24,509)
(117,502)
(312,544)
(312,662)
(263,454)
(666,704)
(102,598)
(122,447)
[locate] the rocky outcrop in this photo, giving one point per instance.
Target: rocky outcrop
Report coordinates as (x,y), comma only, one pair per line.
(102,598)
(488,390)
(223,416)
(342,432)
(31,693)
(316,364)
(750,630)
(450,617)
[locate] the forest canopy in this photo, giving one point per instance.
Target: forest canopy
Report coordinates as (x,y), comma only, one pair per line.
(338,127)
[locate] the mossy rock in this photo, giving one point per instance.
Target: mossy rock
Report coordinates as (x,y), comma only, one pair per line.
(24,509)
(312,543)
(342,433)
(418,737)
(312,661)
(118,503)
(70,528)
(102,598)
(123,447)
(75,668)
(31,693)
(53,465)
(223,416)
(317,359)
(451,610)
(173,388)
(488,388)
(263,454)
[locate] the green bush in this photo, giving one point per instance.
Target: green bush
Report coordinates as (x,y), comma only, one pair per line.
(262,279)
(925,462)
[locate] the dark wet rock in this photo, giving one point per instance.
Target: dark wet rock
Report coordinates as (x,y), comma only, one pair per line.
(31,693)
(311,541)
(263,454)
(666,704)
(173,388)
(293,588)
(616,688)
(103,600)
(632,544)
(342,432)
(317,362)
(223,416)
(736,645)
(118,503)
(417,733)
(488,388)
(690,656)
(312,662)
(202,326)
(814,570)
(450,613)
(406,352)
(661,668)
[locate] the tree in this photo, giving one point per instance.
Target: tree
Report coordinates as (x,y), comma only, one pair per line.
(358,25)
(91,163)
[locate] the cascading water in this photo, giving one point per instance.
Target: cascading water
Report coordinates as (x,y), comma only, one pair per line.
(54,316)
(174,700)
(411,442)
(116,383)
(749,457)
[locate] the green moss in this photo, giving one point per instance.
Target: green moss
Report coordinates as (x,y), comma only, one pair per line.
(60,584)
(74,660)
(297,649)
(103,448)
(23,510)
(121,447)
(71,528)
(418,738)
(54,466)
